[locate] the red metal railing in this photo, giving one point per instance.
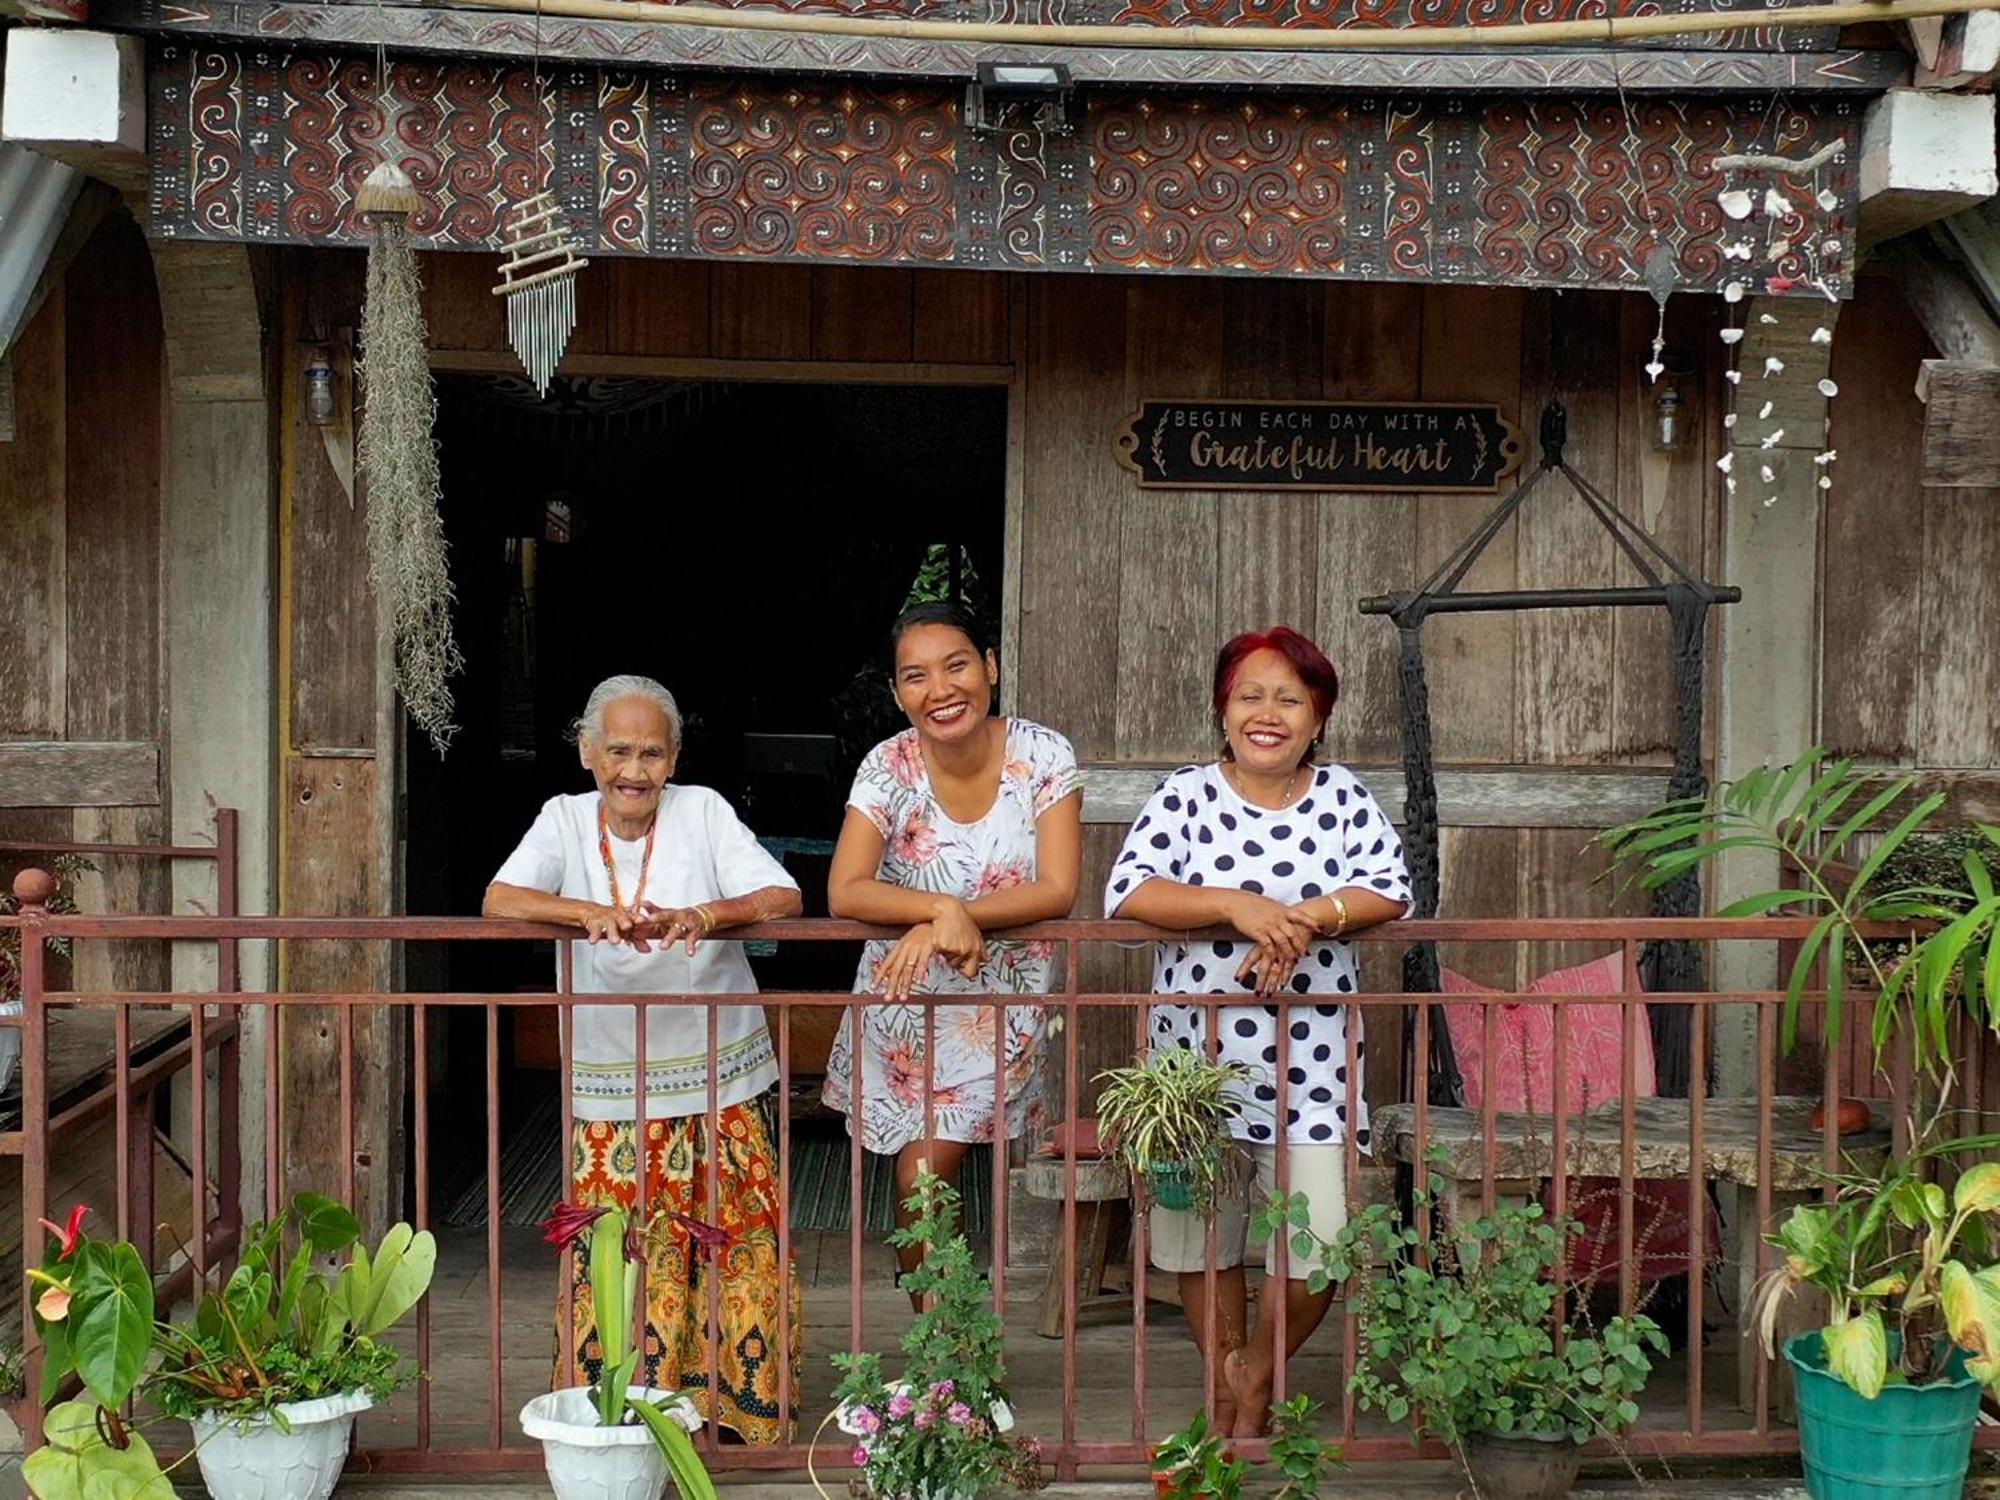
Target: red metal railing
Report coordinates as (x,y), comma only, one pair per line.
(1567,1154)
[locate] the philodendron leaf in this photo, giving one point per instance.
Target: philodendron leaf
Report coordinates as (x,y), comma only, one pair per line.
(327,1226)
(1971,1302)
(1858,1352)
(75,1463)
(111,1320)
(402,1273)
(1978,1191)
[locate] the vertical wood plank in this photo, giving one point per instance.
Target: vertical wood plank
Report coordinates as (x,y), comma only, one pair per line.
(1674,497)
(33,616)
(1267,559)
(122,884)
(112,484)
(862,313)
(1472,352)
(460,310)
(1561,875)
(1958,720)
(657,307)
(332,606)
(1067,673)
(1479,875)
(759,311)
(1562,671)
(1167,588)
(1875,588)
(961,317)
(1372,352)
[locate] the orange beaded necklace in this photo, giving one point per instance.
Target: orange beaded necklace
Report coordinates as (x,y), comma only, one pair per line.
(611,865)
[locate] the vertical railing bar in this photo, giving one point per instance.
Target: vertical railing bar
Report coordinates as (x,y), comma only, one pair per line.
(1559,1156)
(347,1122)
(121,1043)
(1767,1083)
(642,1201)
(493,1211)
(1140,1269)
(856,1205)
(420,1023)
(1899,1086)
(1066,1466)
(1489,1104)
(566,1055)
(997,1220)
(34,1070)
(1628,1105)
(785,1277)
(712,1213)
(1421,1088)
(198,1142)
(1276,1286)
(1350,1330)
(1697,1188)
(229,1104)
(274,1161)
(1832,1076)
(1211,1356)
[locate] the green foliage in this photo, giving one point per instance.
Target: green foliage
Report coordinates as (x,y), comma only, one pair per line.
(941,1428)
(1458,1334)
(1198,1464)
(1302,1462)
(1816,816)
(1896,1251)
(79,1462)
(1171,1113)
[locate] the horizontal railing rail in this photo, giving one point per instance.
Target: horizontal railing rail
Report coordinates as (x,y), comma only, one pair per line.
(1773,1156)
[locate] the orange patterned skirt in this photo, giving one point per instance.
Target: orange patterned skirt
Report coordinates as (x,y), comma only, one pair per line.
(604,1170)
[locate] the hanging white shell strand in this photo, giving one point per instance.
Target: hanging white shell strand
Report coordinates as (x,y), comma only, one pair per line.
(541,304)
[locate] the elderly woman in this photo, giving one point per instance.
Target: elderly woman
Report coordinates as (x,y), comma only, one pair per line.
(961,824)
(1295,856)
(651,872)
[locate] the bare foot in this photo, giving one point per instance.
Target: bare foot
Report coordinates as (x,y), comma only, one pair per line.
(1252,1396)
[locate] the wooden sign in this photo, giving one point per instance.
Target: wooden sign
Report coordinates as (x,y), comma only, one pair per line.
(1197,444)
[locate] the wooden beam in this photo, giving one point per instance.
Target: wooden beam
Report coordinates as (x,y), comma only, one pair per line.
(1961,424)
(1472,797)
(79,773)
(1960,326)
(1923,156)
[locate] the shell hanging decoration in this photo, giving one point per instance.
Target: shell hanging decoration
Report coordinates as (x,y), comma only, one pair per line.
(538,279)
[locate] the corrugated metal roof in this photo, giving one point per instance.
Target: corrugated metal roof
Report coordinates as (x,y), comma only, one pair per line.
(36,192)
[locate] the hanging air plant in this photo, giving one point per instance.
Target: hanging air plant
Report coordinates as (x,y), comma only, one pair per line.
(407,565)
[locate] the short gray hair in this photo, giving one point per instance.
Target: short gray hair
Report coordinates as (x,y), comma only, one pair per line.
(626,685)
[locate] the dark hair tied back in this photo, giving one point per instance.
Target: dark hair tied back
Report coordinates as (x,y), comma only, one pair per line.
(937,612)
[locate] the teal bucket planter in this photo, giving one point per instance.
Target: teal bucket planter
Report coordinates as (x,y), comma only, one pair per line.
(1912,1442)
(1172,1186)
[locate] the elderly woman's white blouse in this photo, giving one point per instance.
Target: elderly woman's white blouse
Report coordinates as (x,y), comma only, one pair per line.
(701,852)
(1196,830)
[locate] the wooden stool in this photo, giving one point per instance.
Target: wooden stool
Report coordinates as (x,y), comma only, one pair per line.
(1103,1221)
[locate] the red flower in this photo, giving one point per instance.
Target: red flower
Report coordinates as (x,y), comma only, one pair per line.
(707,1236)
(68,1234)
(567,1222)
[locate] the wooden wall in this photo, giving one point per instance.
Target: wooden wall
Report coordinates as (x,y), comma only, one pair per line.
(80,609)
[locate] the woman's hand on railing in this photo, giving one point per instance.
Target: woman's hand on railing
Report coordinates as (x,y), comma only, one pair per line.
(619,924)
(957,938)
(1271,925)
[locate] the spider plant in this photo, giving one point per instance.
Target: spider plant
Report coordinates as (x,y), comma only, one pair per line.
(1168,1120)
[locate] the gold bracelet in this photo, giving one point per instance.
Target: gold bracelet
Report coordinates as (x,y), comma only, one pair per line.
(1339,915)
(708,922)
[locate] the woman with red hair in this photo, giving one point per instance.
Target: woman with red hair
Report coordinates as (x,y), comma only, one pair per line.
(1295,856)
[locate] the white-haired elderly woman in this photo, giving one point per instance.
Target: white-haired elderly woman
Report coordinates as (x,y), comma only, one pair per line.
(651,872)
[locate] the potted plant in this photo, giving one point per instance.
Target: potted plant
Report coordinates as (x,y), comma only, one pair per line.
(1301,1460)
(1196,1464)
(270,1375)
(940,1431)
(62,902)
(1462,1340)
(614,1440)
(1901,1253)
(1168,1119)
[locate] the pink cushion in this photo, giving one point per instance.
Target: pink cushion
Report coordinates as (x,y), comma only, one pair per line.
(1524,1041)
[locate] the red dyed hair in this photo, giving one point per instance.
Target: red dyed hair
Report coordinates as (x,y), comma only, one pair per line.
(1314,670)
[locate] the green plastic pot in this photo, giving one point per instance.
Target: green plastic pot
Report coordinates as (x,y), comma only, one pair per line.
(1171,1186)
(1912,1442)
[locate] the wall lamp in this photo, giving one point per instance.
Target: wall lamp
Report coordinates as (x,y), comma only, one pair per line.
(1037,95)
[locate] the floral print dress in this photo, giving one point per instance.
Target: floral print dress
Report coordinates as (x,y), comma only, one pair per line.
(924,850)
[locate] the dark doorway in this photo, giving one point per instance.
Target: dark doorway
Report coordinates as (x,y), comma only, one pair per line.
(747,545)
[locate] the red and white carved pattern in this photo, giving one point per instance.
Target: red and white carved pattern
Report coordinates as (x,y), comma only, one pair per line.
(624,169)
(849,173)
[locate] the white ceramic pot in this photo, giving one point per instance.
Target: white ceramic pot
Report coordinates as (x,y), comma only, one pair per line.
(253,1459)
(589,1462)
(10,1043)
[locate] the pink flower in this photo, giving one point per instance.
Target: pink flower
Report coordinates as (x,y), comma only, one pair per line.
(68,1233)
(900,1405)
(904,759)
(906,1075)
(916,842)
(53,1305)
(860,1456)
(1004,876)
(924,1419)
(959,1414)
(866,1419)
(942,1389)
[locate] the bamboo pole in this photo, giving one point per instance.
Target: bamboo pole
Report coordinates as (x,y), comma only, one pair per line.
(1241,38)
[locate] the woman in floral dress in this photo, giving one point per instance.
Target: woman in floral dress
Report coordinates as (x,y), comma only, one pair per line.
(962,824)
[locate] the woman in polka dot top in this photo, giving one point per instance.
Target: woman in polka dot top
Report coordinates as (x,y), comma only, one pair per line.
(1294,856)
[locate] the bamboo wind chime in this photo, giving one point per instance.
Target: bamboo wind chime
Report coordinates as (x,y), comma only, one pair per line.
(541,303)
